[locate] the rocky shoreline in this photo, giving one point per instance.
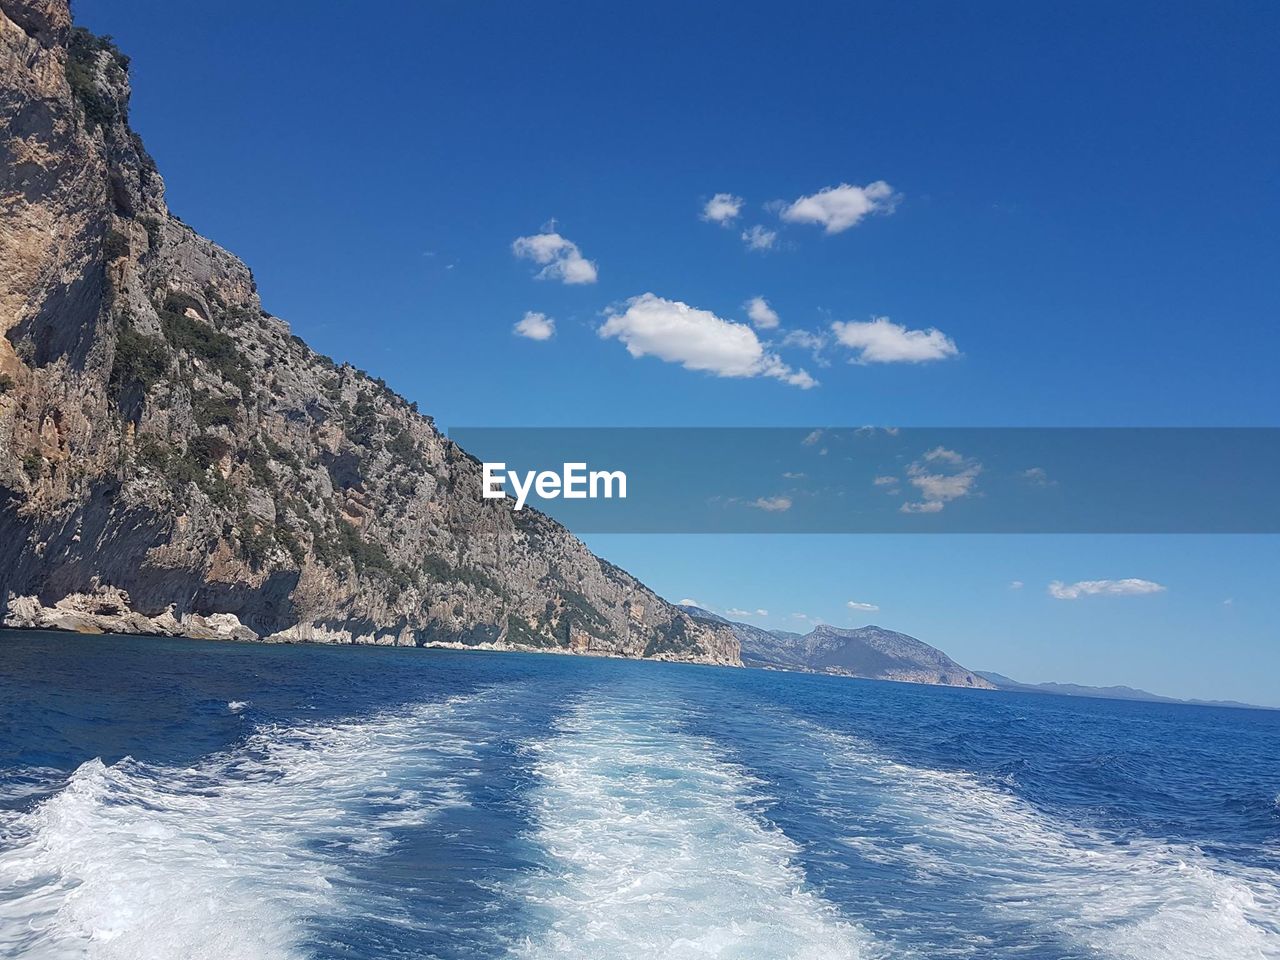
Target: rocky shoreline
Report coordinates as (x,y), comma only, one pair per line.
(107,612)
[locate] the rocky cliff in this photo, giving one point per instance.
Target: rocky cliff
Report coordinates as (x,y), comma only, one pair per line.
(173,459)
(871,652)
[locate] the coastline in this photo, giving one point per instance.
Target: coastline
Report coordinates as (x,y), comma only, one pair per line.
(107,613)
(491,647)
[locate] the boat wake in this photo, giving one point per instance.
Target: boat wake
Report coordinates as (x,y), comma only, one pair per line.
(655,846)
(230,858)
(1006,875)
(615,821)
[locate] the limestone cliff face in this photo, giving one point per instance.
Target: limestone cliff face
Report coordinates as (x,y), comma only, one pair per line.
(173,460)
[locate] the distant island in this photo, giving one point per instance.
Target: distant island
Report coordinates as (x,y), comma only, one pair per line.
(875,653)
(1001,682)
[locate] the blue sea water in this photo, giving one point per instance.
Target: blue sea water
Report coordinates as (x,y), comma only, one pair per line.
(181,799)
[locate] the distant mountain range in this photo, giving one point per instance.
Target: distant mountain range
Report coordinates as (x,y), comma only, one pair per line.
(871,652)
(875,653)
(1001,682)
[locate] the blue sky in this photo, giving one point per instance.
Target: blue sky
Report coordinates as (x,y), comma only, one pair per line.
(1079,224)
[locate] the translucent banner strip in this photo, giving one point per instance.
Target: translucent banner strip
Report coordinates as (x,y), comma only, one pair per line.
(886,480)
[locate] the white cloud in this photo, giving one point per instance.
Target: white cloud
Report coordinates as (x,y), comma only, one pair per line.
(759,238)
(735,612)
(797,378)
(943,455)
(690,602)
(1016,584)
(1037,476)
(1111,588)
(560,257)
(838,208)
(772,504)
(800,616)
(763,316)
(535,326)
(805,339)
(885,481)
(697,340)
(941,476)
(883,341)
(858,605)
(793,476)
(923,506)
(723,208)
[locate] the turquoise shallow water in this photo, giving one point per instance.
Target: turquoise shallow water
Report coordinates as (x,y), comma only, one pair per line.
(180,799)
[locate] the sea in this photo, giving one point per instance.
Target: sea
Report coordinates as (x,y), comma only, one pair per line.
(173,799)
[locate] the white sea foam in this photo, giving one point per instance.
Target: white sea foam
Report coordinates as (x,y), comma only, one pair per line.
(657,848)
(237,706)
(1142,900)
(226,860)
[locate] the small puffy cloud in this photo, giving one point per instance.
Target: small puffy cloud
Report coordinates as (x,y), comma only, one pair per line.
(535,326)
(690,602)
(1131,587)
(1016,584)
(941,476)
(697,340)
(922,506)
(762,316)
(793,476)
(883,341)
(859,605)
(560,258)
(885,481)
(1037,477)
(837,209)
(735,612)
(943,455)
(798,378)
(772,504)
(800,616)
(723,209)
(759,238)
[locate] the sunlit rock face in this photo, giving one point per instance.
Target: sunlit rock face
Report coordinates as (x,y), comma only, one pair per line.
(174,460)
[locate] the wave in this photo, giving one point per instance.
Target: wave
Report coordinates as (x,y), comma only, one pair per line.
(656,846)
(230,858)
(1034,878)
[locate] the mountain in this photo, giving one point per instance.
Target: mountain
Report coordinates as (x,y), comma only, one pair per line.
(872,652)
(1001,682)
(173,460)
